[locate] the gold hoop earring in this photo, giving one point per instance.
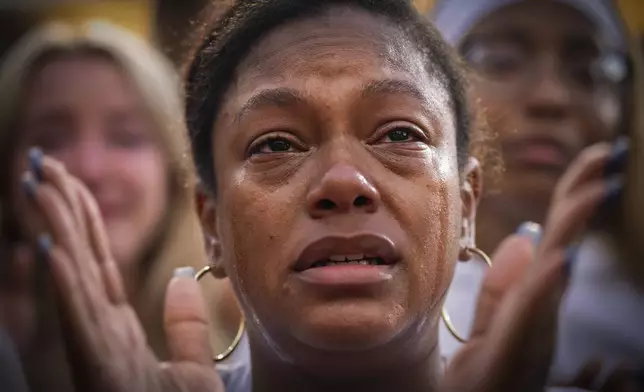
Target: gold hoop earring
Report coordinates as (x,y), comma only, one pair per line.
(445,316)
(240,331)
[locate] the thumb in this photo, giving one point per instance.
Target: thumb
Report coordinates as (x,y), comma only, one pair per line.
(510,263)
(186,320)
(475,361)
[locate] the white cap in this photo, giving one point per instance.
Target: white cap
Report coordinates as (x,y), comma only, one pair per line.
(455,18)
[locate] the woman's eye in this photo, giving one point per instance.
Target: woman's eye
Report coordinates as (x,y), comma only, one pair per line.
(399,135)
(496,60)
(127,138)
(53,140)
(272,145)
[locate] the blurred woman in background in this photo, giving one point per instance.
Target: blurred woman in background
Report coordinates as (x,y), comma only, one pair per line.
(549,90)
(110,108)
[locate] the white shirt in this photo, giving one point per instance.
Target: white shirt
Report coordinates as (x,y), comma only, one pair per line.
(601,316)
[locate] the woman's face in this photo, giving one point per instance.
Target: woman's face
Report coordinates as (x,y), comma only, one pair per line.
(84,112)
(545,94)
(339,204)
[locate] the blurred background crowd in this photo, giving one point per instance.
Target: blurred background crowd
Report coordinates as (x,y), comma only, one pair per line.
(166,22)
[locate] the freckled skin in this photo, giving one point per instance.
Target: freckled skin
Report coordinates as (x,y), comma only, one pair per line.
(339,148)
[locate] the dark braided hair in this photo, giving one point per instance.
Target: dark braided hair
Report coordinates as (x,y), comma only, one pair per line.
(244,24)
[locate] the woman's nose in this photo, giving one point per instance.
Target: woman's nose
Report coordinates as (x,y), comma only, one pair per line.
(342,190)
(550,94)
(87,162)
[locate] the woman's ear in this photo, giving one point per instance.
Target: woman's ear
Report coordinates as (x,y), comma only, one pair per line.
(471,192)
(208,216)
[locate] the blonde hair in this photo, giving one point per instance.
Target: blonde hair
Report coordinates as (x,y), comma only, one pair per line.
(179,242)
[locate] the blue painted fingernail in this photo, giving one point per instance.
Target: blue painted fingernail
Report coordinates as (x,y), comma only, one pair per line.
(530,230)
(35,163)
(618,156)
(569,259)
(614,190)
(44,246)
(29,185)
(613,193)
(184,272)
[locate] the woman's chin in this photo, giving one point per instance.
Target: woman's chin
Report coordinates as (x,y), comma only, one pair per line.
(349,327)
(126,245)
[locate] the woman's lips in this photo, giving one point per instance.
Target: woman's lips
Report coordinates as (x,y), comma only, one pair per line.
(347,275)
(539,153)
(354,260)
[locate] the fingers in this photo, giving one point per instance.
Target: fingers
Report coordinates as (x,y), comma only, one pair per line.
(91,214)
(65,233)
(75,222)
(82,305)
(54,172)
(577,197)
(579,192)
(99,242)
(89,227)
(515,325)
(186,320)
(76,273)
(85,275)
(482,354)
(509,264)
(569,216)
(589,164)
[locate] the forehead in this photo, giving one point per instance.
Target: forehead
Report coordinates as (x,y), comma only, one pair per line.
(342,46)
(564,21)
(77,81)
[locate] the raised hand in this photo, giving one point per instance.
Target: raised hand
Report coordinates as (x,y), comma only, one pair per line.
(106,344)
(513,336)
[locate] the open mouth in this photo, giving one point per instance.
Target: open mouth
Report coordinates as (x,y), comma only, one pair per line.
(366,249)
(363,260)
(358,259)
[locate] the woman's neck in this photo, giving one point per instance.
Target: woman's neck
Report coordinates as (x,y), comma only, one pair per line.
(420,375)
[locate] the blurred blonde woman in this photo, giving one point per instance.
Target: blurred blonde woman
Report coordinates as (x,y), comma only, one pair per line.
(110,108)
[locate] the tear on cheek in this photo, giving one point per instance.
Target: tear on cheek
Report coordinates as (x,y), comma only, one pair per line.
(446,167)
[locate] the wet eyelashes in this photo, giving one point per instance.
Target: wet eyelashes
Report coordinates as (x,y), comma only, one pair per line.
(399,134)
(275,143)
(271,144)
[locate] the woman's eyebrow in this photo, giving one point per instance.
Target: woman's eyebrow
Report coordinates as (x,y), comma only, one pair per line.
(404,88)
(282,96)
(393,86)
(273,97)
